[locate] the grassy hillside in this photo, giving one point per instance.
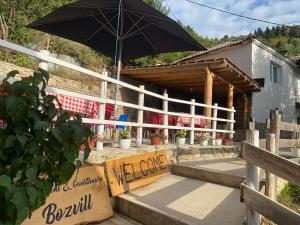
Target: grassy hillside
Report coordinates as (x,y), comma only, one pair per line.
(285,40)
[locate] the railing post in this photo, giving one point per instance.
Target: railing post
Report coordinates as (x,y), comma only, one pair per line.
(44,65)
(252,178)
(275,124)
(192,133)
(140,117)
(166,122)
(270,178)
(214,123)
(231,124)
(100,131)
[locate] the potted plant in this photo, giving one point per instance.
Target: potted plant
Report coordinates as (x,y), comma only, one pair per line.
(218,139)
(204,138)
(296,150)
(156,138)
(39,146)
(125,140)
(181,137)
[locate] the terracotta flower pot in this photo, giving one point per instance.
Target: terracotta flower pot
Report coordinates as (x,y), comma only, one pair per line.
(227,142)
(155,140)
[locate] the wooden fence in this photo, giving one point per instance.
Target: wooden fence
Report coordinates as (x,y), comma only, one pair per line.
(102,99)
(256,202)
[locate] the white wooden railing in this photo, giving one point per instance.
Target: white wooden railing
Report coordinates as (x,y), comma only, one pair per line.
(102,99)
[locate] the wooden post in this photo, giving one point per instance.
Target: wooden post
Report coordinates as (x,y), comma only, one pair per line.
(270,178)
(275,124)
(192,133)
(140,118)
(208,91)
(230,96)
(245,110)
(166,121)
(252,178)
(214,124)
(101,116)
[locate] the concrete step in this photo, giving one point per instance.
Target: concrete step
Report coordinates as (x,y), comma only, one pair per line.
(228,172)
(119,219)
(180,201)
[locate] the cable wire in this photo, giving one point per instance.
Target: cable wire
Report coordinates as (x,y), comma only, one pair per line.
(234,14)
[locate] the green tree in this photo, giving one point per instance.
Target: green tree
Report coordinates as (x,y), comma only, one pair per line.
(158,4)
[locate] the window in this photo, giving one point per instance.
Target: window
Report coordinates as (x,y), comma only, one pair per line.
(275,73)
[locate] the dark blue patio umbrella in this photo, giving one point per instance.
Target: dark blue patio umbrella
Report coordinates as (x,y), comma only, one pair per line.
(120,29)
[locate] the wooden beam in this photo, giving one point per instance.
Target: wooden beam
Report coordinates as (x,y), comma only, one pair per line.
(274,211)
(275,164)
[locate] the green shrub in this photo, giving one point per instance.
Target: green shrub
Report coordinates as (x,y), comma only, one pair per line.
(39,146)
(292,191)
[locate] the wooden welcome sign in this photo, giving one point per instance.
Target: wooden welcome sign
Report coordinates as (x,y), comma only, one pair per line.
(83,199)
(135,171)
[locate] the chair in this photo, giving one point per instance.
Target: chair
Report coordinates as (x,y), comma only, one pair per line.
(122,118)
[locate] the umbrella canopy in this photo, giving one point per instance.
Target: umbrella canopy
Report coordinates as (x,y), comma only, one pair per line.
(100,24)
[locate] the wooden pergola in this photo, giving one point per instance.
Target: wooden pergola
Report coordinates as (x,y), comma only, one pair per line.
(207,76)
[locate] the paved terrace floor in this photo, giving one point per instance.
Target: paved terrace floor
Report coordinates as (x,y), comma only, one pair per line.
(187,201)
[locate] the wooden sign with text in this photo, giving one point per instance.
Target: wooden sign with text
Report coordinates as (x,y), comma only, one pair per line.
(83,199)
(129,173)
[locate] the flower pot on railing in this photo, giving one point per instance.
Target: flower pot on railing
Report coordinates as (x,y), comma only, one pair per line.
(125,143)
(125,140)
(204,142)
(227,142)
(181,137)
(218,142)
(155,140)
(181,141)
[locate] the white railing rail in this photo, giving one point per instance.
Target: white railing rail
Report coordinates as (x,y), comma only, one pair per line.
(140,106)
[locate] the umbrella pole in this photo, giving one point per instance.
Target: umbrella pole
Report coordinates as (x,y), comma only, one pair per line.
(119,63)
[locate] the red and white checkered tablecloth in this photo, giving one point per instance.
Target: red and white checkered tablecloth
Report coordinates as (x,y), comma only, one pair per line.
(186,121)
(87,107)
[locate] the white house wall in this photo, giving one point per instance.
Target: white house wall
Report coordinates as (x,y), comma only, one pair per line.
(239,55)
(281,96)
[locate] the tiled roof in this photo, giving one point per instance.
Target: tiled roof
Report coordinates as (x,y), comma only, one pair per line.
(223,45)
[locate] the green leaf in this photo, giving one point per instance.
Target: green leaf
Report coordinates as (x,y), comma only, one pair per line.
(22,215)
(67,171)
(57,134)
(22,139)
(20,199)
(5,181)
(41,124)
(10,141)
(31,173)
(18,176)
(33,194)
(70,155)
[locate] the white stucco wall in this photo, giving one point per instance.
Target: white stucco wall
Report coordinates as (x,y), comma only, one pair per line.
(254,60)
(239,55)
(281,96)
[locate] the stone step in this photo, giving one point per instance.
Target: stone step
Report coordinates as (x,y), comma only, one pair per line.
(180,201)
(119,219)
(228,172)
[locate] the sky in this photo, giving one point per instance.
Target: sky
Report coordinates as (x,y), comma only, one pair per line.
(214,24)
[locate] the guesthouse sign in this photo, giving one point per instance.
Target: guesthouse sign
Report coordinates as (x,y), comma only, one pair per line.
(83,199)
(135,171)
